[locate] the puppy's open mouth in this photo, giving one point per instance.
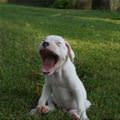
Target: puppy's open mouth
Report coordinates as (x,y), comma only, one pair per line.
(49,60)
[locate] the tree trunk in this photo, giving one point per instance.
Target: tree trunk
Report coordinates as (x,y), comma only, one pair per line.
(82,4)
(101,4)
(115,4)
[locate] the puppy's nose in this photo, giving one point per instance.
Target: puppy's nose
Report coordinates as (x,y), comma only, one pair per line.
(45,44)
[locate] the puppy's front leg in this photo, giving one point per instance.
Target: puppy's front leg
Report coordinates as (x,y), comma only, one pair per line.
(42,107)
(45,95)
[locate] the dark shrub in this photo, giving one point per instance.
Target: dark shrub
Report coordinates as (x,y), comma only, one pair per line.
(61,4)
(43,3)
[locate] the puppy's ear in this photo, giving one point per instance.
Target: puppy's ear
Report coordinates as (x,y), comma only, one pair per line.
(70,51)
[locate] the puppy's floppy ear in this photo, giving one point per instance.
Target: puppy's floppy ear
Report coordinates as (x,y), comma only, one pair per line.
(70,51)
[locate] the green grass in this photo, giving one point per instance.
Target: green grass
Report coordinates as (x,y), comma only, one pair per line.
(95,38)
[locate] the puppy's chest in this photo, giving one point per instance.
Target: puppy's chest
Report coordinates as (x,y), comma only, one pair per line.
(60,89)
(57,81)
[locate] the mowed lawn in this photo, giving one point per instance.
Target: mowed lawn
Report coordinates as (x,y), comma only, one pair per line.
(95,38)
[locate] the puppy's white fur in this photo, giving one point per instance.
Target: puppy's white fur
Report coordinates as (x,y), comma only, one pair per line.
(62,85)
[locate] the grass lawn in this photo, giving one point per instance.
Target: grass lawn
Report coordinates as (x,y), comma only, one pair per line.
(95,38)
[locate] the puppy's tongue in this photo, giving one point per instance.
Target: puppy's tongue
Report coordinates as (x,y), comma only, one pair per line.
(48,63)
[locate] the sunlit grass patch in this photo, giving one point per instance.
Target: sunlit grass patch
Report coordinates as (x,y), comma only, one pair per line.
(95,38)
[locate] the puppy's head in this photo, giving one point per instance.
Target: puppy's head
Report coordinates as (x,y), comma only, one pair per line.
(54,52)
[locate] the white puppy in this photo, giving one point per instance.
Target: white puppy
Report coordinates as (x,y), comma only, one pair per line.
(63,88)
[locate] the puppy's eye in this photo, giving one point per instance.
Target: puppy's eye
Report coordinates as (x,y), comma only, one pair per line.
(58,43)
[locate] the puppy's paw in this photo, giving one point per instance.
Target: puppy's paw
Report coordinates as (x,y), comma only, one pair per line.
(75,117)
(42,109)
